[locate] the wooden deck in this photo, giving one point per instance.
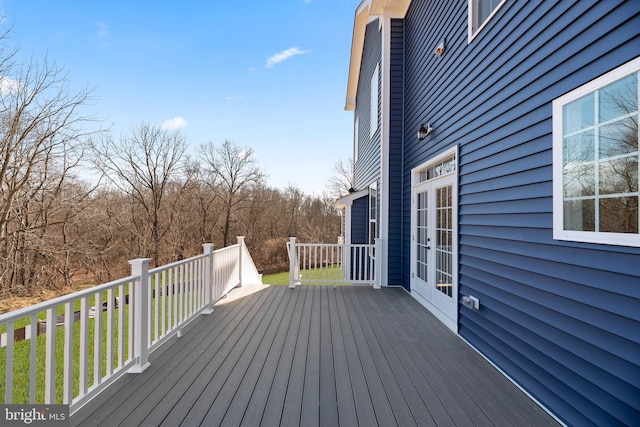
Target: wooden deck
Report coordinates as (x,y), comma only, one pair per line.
(315,355)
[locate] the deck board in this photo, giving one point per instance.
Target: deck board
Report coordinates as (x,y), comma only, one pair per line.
(380,399)
(346,411)
(328,394)
(366,415)
(311,388)
(191,375)
(317,356)
(237,390)
(193,406)
(252,396)
(401,364)
(117,402)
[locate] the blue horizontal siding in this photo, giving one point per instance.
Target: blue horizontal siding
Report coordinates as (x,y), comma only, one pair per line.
(561,318)
(542,205)
(548,378)
(360,221)
(619,263)
(612,378)
(367,168)
(396,121)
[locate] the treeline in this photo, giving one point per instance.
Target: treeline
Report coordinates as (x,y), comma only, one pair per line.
(145,196)
(72,236)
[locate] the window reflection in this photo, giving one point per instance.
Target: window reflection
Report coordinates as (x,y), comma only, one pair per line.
(600,159)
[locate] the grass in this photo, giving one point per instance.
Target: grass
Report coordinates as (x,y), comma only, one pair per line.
(22,350)
(276,279)
(329,275)
(21,361)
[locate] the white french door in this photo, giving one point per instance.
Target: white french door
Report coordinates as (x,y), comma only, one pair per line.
(434,239)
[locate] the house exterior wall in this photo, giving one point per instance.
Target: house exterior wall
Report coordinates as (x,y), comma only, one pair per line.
(396,133)
(560,318)
(367,166)
(360,221)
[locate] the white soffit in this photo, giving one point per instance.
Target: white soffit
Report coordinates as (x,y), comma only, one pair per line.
(365,13)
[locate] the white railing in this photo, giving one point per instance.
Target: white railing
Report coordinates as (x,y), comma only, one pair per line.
(94,336)
(327,263)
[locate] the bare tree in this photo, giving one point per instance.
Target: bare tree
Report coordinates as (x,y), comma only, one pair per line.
(41,142)
(342,182)
(143,165)
(233,169)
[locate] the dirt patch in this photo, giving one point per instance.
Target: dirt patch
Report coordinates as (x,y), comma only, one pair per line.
(12,303)
(274,270)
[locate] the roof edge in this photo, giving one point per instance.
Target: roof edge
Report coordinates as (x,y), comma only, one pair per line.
(367,11)
(348,199)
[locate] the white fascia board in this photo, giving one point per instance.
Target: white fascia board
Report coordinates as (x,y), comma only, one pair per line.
(368,11)
(345,201)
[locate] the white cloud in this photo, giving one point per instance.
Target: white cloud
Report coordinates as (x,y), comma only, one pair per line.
(285,54)
(102,30)
(175,123)
(7,85)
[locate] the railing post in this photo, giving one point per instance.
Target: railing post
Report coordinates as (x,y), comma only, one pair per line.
(140,268)
(378,263)
(240,257)
(346,262)
(208,278)
(292,262)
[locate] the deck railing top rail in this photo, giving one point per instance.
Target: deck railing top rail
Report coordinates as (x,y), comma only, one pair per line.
(58,301)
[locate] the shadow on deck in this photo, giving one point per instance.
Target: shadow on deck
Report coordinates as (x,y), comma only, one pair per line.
(315,355)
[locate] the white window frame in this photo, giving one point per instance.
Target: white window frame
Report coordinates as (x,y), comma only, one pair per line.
(374,113)
(473,17)
(559,233)
(373,212)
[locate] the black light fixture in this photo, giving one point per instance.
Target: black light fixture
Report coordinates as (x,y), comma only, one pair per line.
(424,131)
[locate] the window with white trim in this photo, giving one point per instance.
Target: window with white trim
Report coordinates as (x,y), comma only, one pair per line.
(373,117)
(595,160)
(480,11)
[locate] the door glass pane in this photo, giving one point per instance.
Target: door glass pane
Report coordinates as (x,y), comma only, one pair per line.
(444,240)
(421,236)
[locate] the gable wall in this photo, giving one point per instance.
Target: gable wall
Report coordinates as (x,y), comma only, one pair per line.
(367,168)
(560,318)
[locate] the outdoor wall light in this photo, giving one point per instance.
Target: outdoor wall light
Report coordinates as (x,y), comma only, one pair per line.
(424,131)
(440,49)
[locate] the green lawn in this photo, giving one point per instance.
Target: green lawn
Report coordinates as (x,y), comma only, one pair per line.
(22,350)
(276,279)
(329,275)
(21,361)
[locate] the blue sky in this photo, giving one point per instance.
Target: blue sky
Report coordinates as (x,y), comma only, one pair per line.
(270,75)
